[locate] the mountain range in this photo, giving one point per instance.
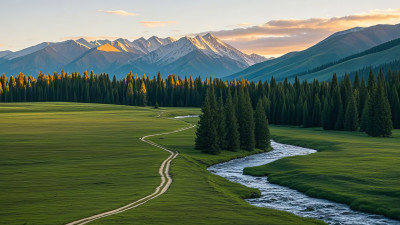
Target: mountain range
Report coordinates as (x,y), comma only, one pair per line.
(344,51)
(336,47)
(201,55)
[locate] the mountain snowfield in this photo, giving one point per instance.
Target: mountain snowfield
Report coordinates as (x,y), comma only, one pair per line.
(187,57)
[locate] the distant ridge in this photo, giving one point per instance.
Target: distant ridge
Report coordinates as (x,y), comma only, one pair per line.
(205,56)
(337,46)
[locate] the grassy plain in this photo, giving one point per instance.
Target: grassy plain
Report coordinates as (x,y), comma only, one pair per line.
(64,161)
(199,197)
(350,167)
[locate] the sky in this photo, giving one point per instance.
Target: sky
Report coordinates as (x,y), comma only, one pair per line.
(269,28)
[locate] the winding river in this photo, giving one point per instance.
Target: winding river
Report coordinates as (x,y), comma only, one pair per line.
(283,198)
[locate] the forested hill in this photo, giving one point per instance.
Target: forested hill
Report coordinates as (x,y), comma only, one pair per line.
(336,47)
(338,105)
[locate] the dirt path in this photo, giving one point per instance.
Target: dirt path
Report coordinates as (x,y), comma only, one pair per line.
(166,181)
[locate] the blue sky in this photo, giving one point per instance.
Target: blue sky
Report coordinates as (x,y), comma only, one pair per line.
(24,23)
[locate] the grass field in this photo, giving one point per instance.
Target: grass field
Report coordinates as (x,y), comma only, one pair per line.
(199,197)
(64,161)
(351,168)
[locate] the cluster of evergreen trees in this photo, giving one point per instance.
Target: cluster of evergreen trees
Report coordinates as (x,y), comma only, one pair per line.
(370,106)
(233,124)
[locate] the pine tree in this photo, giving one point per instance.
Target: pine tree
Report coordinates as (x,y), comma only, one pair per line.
(232,139)
(262,136)
(207,139)
(220,113)
(379,116)
(365,115)
(143,94)
(246,120)
(316,114)
(351,117)
(326,116)
(306,119)
(395,106)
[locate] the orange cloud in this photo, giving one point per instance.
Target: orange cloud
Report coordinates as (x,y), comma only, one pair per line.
(91,38)
(280,36)
(157,23)
(118,12)
(244,24)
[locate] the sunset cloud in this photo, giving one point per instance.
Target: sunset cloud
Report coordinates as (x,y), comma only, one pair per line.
(118,12)
(91,38)
(244,24)
(156,23)
(277,37)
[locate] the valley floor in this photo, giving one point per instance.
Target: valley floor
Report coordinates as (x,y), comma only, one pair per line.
(60,162)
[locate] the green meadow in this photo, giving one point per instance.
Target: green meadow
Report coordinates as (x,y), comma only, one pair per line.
(61,162)
(349,167)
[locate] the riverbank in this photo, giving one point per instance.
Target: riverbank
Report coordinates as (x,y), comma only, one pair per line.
(198,197)
(350,168)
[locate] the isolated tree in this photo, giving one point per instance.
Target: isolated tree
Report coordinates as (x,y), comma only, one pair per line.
(232,138)
(262,136)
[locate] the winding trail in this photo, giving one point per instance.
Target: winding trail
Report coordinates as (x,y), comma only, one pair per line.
(166,180)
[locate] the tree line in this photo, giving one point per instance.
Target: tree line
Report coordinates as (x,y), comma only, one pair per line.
(369,105)
(231,125)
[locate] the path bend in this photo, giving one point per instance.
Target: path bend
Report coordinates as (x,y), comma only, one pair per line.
(166,180)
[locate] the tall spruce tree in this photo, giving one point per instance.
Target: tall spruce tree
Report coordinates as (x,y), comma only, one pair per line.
(221,129)
(395,106)
(143,94)
(351,116)
(326,116)
(316,114)
(262,135)
(246,120)
(379,116)
(365,114)
(207,139)
(232,138)
(306,119)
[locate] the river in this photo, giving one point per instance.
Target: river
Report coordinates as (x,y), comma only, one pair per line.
(283,198)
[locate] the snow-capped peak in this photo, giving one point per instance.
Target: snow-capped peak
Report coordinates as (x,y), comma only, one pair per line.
(207,44)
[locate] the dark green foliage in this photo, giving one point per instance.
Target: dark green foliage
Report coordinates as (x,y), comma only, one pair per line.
(262,136)
(232,139)
(351,117)
(395,107)
(207,138)
(284,103)
(220,120)
(364,115)
(306,119)
(326,116)
(246,120)
(317,113)
(379,116)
